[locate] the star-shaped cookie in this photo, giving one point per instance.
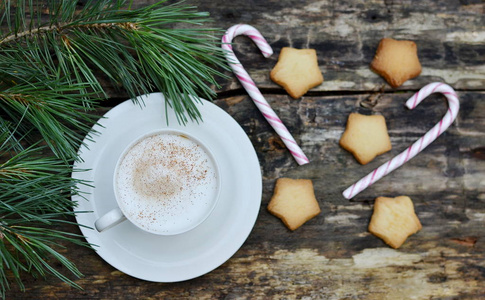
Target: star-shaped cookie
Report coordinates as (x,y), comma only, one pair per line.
(394,220)
(365,137)
(297,71)
(396,61)
(294,202)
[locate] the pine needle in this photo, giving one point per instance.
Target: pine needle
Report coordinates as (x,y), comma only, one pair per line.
(143,50)
(35,196)
(51,53)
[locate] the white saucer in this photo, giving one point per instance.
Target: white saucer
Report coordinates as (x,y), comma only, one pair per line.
(191,254)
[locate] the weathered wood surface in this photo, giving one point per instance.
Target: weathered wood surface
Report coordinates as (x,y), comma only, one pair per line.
(333,256)
(449,35)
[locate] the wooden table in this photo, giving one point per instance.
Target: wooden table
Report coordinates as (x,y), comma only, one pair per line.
(333,256)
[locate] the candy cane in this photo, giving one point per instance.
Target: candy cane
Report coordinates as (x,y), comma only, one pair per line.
(419,145)
(253,91)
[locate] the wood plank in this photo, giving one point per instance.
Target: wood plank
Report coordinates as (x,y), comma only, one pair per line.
(333,255)
(346,34)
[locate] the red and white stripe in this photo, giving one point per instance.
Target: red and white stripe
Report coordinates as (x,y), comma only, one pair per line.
(252,89)
(419,145)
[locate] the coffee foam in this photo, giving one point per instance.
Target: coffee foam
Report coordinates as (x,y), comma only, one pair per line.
(166,183)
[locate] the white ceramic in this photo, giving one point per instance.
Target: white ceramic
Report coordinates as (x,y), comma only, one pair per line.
(199,213)
(190,254)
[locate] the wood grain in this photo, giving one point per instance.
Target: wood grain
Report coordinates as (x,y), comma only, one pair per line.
(345,34)
(333,256)
(449,36)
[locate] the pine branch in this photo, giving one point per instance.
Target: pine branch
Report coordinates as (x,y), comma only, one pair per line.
(35,197)
(142,50)
(55,109)
(49,58)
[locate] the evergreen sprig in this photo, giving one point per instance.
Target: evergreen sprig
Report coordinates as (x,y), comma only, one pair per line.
(53,108)
(52,56)
(35,196)
(140,50)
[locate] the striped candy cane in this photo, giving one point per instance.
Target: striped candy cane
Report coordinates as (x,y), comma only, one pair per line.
(423,142)
(253,91)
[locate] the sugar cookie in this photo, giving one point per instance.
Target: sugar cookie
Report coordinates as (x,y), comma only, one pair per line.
(365,137)
(396,61)
(297,71)
(294,202)
(394,220)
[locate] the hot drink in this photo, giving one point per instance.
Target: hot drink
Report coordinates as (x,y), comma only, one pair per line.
(166,183)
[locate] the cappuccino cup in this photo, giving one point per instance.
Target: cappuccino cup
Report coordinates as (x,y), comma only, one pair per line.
(165,182)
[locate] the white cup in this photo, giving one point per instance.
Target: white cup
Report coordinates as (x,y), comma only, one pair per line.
(165,182)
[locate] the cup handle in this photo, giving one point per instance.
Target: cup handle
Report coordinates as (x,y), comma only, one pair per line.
(109,219)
